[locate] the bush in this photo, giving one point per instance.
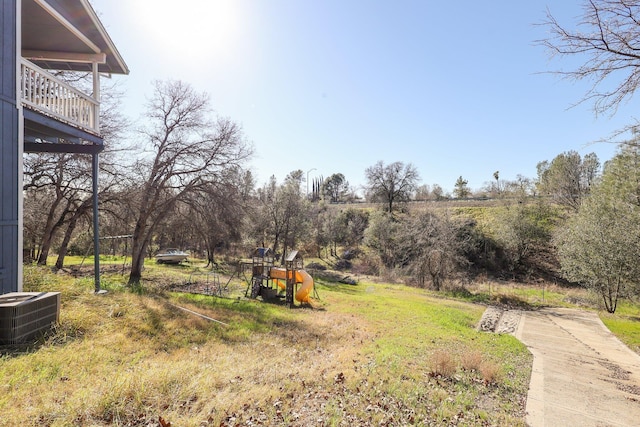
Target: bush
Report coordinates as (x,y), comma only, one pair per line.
(350,254)
(316,266)
(471,360)
(491,372)
(349,280)
(442,364)
(343,264)
(367,266)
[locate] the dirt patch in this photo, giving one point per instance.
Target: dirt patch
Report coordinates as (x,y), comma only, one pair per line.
(616,371)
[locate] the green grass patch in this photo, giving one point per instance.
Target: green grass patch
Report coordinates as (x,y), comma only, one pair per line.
(411,327)
(518,295)
(625,323)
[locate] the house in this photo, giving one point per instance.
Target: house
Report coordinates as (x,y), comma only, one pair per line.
(40,112)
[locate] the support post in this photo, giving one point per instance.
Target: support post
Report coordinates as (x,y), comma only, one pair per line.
(96,95)
(96,234)
(10,151)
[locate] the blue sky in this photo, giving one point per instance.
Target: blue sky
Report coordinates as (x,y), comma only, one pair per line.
(334,86)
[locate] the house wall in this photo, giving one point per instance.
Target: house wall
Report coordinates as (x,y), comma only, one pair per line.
(10,152)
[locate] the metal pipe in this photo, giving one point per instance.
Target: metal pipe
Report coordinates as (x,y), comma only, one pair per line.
(310,170)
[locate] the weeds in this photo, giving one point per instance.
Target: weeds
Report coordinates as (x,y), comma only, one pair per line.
(471,360)
(442,364)
(490,371)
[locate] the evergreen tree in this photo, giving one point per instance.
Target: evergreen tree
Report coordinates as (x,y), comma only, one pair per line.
(600,246)
(461,190)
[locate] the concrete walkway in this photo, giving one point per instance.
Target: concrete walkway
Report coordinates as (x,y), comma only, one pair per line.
(582,375)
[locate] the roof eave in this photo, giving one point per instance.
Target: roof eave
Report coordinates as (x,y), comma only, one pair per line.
(103,32)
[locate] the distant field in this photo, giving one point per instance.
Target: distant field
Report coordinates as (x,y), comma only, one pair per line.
(445,203)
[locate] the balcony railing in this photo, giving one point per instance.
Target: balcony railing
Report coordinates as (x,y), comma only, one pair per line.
(45,93)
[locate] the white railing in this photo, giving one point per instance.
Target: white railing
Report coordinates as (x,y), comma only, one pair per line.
(44,92)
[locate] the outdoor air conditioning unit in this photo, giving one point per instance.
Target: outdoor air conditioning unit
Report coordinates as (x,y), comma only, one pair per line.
(23,315)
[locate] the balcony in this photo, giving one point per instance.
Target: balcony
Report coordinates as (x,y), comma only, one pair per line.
(50,96)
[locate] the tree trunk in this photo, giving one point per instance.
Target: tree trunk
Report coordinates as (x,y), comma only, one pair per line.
(275,244)
(211,256)
(64,247)
(284,253)
(49,230)
(285,244)
(44,250)
(73,222)
(47,240)
(47,237)
(138,249)
(137,263)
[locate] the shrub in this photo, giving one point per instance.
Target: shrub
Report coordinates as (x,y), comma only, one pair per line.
(442,364)
(471,360)
(490,372)
(316,266)
(343,264)
(350,254)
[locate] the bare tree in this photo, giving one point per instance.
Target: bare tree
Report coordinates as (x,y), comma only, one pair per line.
(283,213)
(219,212)
(432,247)
(608,36)
(112,125)
(438,193)
(186,152)
(423,192)
(522,186)
(67,178)
(393,183)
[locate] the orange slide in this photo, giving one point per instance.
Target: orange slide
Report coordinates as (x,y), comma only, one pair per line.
(304,292)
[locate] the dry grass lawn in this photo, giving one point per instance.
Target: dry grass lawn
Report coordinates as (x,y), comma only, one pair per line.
(364,355)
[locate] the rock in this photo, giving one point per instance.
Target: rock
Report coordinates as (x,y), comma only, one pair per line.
(498,320)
